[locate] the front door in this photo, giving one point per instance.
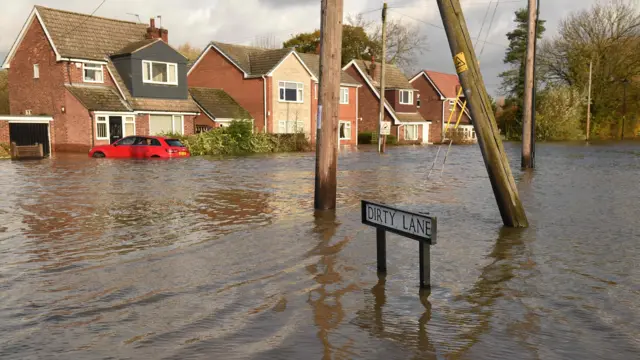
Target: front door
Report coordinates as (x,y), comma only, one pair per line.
(115,128)
(425,133)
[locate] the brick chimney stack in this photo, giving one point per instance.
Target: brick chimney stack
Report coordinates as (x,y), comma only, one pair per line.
(374,69)
(157,33)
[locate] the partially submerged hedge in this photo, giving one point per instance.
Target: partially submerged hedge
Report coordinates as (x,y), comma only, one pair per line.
(238,139)
(5,151)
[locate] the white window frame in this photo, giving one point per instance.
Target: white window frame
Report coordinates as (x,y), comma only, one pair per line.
(95,67)
(344,95)
(173,116)
(452,105)
(299,91)
(410,92)
(104,119)
(299,126)
(416,132)
(348,134)
(151,81)
(36,71)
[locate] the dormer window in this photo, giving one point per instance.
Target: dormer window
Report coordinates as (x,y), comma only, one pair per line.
(155,72)
(93,73)
(406,97)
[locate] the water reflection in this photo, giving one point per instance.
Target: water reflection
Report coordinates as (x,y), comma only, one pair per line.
(325,300)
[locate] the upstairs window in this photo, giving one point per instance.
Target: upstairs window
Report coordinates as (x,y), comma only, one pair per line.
(406,97)
(93,73)
(154,72)
(344,95)
(36,71)
(291,91)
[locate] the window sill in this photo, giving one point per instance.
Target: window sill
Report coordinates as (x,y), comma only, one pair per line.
(93,82)
(293,102)
(98,138)
(159,83)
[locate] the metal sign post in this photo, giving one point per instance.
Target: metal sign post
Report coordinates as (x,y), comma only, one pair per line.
(420,227)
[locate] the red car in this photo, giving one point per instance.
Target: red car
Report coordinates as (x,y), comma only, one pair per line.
(142,147)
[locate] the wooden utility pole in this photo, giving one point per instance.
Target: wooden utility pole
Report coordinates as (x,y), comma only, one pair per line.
(382,139)
(328,104)
(484,122)
(589,102)
(529,79)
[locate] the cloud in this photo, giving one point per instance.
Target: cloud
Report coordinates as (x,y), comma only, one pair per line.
(201,21)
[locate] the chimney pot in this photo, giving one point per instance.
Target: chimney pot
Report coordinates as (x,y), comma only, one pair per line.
(152,23)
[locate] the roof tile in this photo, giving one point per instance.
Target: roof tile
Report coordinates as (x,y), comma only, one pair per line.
(218,103)
(447,84)
(395,78)
(103,98)
(313,63)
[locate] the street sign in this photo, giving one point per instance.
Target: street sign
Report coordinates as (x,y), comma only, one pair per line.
(385,128)
(421,227)
(416,226)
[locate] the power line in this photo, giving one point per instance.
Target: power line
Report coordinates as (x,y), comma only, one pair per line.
(442,28)
(486,13)
(489,30)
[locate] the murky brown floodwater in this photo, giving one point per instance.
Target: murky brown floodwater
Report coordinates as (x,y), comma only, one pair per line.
(223,259)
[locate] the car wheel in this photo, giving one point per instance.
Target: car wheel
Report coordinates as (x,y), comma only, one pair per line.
(154,156)
(98,154)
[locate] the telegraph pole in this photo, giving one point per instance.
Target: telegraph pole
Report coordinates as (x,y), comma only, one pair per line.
(625,82)
(529,79)
(382,139)
(484,122)
(328,104)
(589,102)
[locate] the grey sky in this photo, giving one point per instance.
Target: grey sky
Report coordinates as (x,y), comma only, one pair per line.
(200,21)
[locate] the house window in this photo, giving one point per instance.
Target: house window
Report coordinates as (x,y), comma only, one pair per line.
(418,101)
(36,71)
(406,97)
(411,132)
(344,95)
(290,126)
(345,130)
(164,124)
(102,128)
(93,73)
(291,91)
(129,126)
(452,105)
(154,72)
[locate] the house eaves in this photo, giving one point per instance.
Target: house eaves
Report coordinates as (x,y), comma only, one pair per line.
(375,91)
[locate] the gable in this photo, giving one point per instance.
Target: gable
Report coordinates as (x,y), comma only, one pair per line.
(161,51)
(292,66)
(34,20)
(358,74)
(423,77)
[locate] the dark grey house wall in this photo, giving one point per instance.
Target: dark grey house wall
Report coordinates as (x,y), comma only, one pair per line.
(131,68)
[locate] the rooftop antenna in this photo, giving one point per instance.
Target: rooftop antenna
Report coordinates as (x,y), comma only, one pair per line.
(136,15)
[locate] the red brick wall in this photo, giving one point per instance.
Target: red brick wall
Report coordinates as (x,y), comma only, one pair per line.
(75,75)
(368,105)
(401,137)
(73,129)
(430,107)
(215,71)
(41,96)
(270,123)
(402,107)
(189,124)
(4,132)
(203,119)
(142,124)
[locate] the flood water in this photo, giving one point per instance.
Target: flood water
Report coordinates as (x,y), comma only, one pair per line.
(224,259)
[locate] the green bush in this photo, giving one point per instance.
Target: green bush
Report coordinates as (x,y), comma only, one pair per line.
(559,113)
(238,139)
(365,138)
(392,140)
(5,151)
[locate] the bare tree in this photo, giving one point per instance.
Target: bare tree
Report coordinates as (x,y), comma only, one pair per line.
(267,41)
(188,51)
(4,92)
(404,42)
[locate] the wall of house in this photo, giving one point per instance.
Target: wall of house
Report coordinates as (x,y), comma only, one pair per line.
(313,93)
(403,140)
(368,105)
(74,74)
(204,120)
(215,71)
(73,129)
(348,112)
(291,70)
(430,107)
(411,108)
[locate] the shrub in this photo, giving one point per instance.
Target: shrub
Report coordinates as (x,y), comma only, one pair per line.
(365,138)
(238,138)
(392,140)
(559,113)
(5,151)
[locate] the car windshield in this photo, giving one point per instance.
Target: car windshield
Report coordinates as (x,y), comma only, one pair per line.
(174,142)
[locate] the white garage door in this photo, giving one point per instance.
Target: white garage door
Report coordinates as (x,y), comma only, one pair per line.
(159,124)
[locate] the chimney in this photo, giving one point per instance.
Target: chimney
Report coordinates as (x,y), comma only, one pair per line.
(318,48)
(155,33)
(374,70)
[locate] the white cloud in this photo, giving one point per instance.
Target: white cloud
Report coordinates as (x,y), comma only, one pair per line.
(201,21)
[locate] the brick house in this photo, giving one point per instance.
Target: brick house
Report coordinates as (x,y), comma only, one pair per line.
(277,87)
(96,80)
(438,104)
(218,109)
(401,102)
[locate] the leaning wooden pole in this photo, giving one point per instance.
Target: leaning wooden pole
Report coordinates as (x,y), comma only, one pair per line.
(484,122)
(527,105)
(328,104)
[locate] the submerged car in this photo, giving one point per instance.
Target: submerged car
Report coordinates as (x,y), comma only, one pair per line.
(140,147)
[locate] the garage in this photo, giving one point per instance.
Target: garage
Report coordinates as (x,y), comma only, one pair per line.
(29,130)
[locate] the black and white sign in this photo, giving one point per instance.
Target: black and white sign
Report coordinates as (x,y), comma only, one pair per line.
(385,128)
(412,225)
